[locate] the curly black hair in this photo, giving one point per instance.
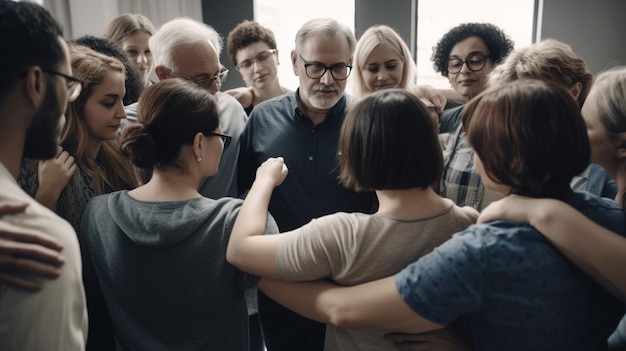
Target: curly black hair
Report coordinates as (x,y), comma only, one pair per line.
(499,44)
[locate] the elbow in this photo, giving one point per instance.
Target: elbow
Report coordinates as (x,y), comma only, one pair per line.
(232,255)
(338,314)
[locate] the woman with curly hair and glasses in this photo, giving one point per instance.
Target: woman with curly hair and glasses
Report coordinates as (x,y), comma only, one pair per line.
(466,55)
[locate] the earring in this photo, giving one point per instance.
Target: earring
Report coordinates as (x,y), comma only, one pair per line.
(199,158)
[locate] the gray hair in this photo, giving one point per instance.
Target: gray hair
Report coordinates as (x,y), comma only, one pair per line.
(326,26)
(181,31)
(610,89)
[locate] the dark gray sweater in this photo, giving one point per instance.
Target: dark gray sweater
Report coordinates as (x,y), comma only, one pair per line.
(163,272)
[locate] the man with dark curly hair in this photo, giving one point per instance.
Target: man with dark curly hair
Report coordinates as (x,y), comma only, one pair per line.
(466,55)
(252,49)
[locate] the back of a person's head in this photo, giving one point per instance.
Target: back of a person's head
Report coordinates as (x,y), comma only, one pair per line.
(126,25)
(371,39)
(529,135)
(549,60)
(29,36)
(245,34)
(498,43)
(610,100)
(132,83)
(388,141)
(327,27)
(171,113)
(181,32)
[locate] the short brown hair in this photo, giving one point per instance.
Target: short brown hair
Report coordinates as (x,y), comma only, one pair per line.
(388,141)
(245,34)
(530,136)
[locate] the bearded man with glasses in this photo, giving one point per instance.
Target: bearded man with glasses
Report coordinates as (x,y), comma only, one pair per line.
(303,128)
(187,49)
(37,83)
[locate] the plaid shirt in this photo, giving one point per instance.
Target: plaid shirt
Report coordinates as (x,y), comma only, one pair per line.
(461,181)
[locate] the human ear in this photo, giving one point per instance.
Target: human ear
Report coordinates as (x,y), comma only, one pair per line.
(294,62)
(197,146)
(162,72)
(35,82)
(576,89)
(620,153)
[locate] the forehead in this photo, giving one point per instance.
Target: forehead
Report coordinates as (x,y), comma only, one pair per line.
(196,59)
(382,53)
(327,50)
(112,84)
(138,38)
(468,46)
(251,50)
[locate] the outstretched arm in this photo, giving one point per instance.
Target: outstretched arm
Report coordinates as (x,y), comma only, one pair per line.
(375,304)
(595,249)
(26,252)
(248,249)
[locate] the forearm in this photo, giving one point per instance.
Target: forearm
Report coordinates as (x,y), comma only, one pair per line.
(248,249)
(595,249)
(371,305)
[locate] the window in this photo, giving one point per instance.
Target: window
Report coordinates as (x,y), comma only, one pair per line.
(436,17)
(285,17)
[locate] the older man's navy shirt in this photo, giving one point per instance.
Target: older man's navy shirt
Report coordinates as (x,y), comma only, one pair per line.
(278,128)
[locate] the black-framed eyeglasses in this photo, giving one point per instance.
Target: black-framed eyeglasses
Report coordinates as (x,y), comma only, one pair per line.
(316,70)
(226,139)
(259,58)
(74,85)
(219,77)
(475,63)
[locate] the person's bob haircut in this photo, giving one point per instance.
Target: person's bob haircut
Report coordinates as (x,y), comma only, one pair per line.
(388,141)
(529,136)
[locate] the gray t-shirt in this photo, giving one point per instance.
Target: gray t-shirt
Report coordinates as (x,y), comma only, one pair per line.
(353,248)
(163,272)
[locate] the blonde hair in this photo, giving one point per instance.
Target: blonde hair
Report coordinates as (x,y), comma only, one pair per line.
(110,170)
(371,39)
(126,25)
(549,60)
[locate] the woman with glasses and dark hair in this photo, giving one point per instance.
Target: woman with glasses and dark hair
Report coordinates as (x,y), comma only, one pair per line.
(88,162)
(252,49)
(466,55)
(159,251)
(352,248)
(503,281)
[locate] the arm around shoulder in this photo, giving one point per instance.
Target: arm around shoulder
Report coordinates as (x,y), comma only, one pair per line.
(598,251)
(375,304)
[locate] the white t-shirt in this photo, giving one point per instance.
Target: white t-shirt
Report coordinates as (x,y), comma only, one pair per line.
(54,318)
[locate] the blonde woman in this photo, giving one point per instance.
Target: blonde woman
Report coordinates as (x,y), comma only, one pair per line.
(131,33)
(381,61)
